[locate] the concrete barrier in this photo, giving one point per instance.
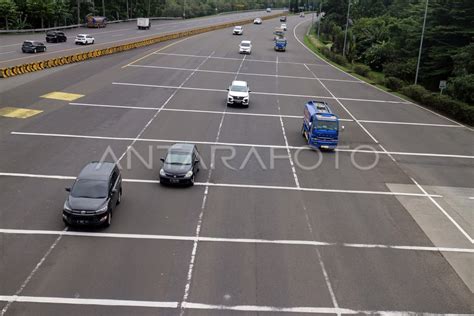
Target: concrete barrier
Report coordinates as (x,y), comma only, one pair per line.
(79,57)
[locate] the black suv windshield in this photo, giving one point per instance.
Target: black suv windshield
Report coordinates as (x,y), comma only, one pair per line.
(178,158)
(27,44)
(93,189)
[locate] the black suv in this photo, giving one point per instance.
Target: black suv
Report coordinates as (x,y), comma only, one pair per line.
(283,18)
(55,37)
(32,47)
(94,195)
(180,165)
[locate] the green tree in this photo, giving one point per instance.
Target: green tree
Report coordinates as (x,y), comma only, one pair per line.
(42,9)
(8,9)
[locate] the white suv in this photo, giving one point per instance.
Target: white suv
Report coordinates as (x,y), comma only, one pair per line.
(238,30)
(84,39)
(245,47)
(238,94)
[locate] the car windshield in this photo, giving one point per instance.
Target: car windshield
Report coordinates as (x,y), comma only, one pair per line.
(238,28)
(27,44)
(86,188)
(245,44)
(281,41)
(327,125)
(80,36)
(238,88)
(178,158)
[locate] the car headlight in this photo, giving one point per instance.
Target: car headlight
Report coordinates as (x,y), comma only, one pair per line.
(189,174)
(103,209)
(230,98)
(162,172)
(66,206)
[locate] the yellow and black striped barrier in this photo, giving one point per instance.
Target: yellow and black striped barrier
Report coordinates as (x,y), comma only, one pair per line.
(64,60)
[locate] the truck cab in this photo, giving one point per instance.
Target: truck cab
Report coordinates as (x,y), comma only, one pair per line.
(320,125)
(280,44)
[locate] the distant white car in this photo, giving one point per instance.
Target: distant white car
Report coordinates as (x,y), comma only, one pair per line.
(257,21)
(245,47)
(84,39)
(283,26)
(238,30)
(238,94)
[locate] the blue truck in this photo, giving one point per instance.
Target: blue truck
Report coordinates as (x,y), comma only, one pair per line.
(280,44)
(320,125)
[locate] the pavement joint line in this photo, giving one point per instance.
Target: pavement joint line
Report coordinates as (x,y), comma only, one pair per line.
(374,86)
(32,273)
(256,114)
(449,217)
(158,111)
(395,153)
(232,185)
(257,93)
(283,242)
(192,260)
(204,306)
(237,59)
(242,73)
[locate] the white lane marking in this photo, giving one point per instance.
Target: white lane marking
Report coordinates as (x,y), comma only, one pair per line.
(290,158)
(471,198)
(258,114)
(254,92)
(32,273)
(342,105)
(163,48)
(116,35)
(86,301)
(408,123)
(444,212)
(238,59)
(283,242)
(192,260)
(241,73)
(374,86)
(233,185)
(203,306)
(396,153)
(162,107)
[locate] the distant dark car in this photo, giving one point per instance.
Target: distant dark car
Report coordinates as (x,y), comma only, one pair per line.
(33,47)
(55,37)
(180,165)
(283,18)
(94,195)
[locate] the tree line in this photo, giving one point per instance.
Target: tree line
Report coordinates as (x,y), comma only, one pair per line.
(385,35)
(23,14)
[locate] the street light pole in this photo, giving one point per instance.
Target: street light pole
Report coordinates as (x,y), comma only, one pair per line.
(78,11)
(347,26)
(184,9)
(421,43)
(103,7)
(319,15)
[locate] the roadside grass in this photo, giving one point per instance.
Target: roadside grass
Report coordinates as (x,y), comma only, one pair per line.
(374,78)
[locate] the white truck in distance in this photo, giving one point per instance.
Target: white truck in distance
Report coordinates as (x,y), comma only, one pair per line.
(143,23)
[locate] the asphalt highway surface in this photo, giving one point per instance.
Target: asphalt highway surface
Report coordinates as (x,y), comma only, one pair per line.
(113,34)
(381,225)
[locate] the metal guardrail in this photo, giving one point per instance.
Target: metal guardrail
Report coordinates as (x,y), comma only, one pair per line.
(69,59)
